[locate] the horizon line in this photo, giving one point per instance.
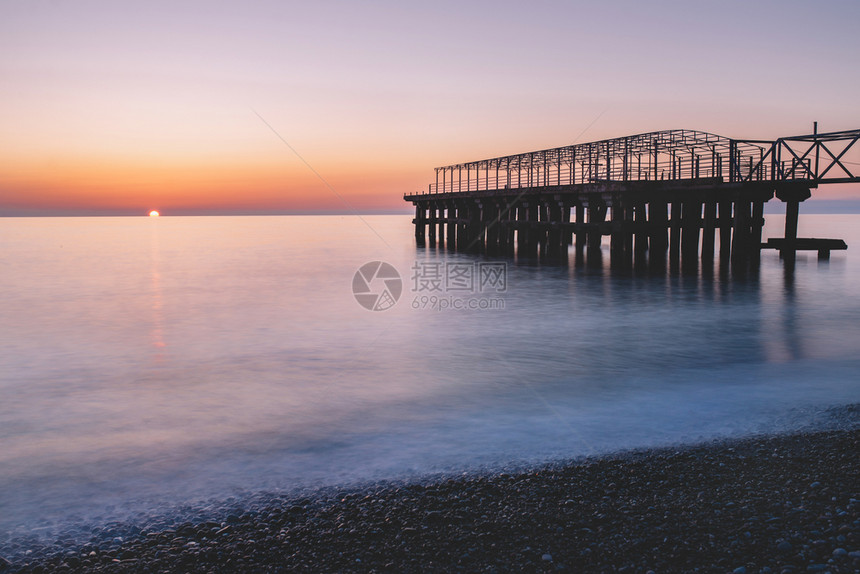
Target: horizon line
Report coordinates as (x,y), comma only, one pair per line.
(197,213)
(813,205)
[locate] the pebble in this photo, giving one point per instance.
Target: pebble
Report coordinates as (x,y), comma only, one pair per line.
(653,519)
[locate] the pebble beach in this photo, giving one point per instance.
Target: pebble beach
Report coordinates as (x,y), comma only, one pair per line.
(784,504)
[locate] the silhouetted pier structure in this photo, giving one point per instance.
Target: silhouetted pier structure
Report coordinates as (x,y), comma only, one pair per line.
(655,194)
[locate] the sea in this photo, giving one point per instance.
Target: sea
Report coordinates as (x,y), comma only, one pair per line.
(149,363)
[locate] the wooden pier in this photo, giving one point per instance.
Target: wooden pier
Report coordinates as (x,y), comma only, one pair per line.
(660,196)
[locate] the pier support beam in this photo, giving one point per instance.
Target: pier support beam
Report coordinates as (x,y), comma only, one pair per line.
(616,236)
(431,227)
(725,223)
(596,217)
(580,226)
(741,235)
(556,242)
(452,224)
(477,226)
(709,230)
(675,232)
(792,211)
(462,220)
(532,228)
(567,235)
(755,233)
(640,226)
(692,224)
(420,224)
(792,199)
(658,239)
(628,228)
(508,219)
(658,219)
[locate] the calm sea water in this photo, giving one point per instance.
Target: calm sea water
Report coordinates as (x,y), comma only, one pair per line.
(156,361)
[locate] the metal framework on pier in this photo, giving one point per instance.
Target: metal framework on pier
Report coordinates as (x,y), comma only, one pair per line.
(660,156)
(819,158)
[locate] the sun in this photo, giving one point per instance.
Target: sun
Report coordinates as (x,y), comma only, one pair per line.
(154,213)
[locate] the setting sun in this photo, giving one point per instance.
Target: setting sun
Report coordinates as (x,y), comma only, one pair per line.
(154,213)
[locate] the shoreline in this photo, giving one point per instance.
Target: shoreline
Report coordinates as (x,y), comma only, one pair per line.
(778,503)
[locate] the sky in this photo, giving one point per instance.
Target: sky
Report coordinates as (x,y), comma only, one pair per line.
(193,107)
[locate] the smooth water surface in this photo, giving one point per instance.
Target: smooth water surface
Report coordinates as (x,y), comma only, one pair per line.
(153,361)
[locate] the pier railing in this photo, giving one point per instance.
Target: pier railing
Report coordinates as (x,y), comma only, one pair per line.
(820,158)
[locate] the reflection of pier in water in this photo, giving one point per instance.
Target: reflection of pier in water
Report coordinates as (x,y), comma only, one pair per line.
(656,194)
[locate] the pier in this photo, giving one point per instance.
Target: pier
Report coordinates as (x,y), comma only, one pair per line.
(679,195)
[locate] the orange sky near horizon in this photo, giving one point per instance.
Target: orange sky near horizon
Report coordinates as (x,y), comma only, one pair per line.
(123,109)
(141,184)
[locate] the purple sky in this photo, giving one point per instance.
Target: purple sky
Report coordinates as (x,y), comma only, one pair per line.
(153,104)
